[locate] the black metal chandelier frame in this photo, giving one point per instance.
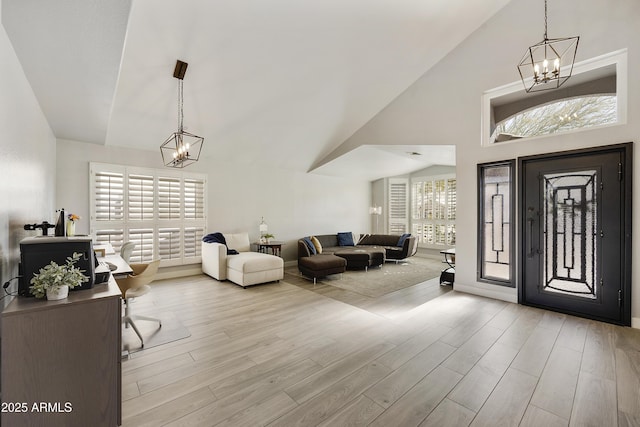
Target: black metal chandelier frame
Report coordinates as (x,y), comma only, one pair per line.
(181,148)
(548,64)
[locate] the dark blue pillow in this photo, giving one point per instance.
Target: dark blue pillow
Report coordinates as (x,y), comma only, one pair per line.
(403,238)
(310,245)
(345,239)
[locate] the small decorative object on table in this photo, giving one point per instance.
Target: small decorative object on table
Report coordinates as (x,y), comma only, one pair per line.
(54,280)
(71,224)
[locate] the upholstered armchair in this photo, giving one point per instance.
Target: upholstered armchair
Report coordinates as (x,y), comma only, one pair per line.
(245,268)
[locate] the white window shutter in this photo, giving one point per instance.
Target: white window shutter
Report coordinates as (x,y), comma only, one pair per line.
(398,206)
(194,198)
(108,196)
(169,198)
(141,194)
(143,238)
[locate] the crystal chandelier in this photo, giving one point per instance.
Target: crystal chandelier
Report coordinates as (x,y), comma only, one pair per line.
(549,63)
(181,148)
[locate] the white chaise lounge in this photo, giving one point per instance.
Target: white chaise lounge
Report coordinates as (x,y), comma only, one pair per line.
(246,268)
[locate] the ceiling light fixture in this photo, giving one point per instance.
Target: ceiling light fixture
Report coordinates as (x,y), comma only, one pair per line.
(181,148)
(549,63)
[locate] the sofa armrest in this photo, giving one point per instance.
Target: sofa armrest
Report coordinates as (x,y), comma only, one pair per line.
(214,260)
(303,249)
(410,246)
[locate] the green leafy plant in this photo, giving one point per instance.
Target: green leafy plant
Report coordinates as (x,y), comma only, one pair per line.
(268,236)
(54,276)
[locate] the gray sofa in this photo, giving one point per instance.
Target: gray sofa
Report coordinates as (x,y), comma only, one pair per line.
(370,250)
(390,244)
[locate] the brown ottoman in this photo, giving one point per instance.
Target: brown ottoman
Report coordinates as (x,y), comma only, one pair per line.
(321,265)
(356,258)
(378,256)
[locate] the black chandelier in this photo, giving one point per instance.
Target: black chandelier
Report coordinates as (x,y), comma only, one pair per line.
(181,148)
(549,63)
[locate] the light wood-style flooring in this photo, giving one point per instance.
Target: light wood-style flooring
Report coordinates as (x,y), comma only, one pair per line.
(282,355)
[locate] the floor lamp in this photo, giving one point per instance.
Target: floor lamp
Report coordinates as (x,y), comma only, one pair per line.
(377,211)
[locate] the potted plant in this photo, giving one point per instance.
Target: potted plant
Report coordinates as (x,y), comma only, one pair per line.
(55,280)
(267,237)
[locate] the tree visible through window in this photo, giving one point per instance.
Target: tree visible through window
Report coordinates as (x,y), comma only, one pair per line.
(559,116)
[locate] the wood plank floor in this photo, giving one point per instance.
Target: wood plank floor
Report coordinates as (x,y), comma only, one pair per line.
(282,355)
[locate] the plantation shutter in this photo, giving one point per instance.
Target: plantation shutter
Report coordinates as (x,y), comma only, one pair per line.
(169,243)
(143,238)
(162,212)
(192,241)
(398,206)
(168,198)
(193,198)
(140,197)
(451,199)
(108,196)
(113,236)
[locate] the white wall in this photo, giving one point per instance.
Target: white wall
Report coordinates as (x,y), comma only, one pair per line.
(444,107)
(27,153)
(293,204)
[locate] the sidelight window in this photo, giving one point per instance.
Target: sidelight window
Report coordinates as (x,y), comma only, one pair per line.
(495,223)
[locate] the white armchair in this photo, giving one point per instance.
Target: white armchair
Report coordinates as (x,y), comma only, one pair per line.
(246,268)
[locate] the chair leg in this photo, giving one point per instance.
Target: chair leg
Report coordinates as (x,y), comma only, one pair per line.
(151,319)
(128,321)
(129,318)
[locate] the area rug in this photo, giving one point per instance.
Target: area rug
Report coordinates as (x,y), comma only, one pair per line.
(379,281)
(172,330)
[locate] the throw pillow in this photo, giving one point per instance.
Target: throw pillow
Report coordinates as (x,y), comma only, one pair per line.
(403,238)
(345,239)
(317,244)
(309,243)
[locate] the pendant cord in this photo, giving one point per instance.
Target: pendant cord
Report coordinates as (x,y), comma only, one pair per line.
(545,20)
(180,106)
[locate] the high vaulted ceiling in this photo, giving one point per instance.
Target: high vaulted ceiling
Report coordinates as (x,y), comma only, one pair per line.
(281,82)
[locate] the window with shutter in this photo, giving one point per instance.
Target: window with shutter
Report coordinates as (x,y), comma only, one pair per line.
(193,198)
(108,193)
(169,198)
(192,238)
(112,236)
(169,243)
(140,197)
(398,206)
(163,213)
(143,238)
(435,224)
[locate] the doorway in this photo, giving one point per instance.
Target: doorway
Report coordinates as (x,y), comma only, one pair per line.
(575,223)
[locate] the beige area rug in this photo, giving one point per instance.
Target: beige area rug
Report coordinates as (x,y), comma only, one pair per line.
(172,330)
(379,281)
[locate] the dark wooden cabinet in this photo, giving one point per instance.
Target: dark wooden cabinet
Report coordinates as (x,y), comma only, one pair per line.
(61,362)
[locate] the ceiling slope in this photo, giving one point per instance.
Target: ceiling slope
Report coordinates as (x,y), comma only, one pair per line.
(282,83)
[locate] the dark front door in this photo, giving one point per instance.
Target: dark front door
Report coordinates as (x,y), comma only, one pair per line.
(575,228)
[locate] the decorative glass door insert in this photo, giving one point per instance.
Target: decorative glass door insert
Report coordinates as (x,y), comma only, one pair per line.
(570,230)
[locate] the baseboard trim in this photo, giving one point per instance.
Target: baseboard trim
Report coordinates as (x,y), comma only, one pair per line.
(172,274)
(635,322)
(486,293)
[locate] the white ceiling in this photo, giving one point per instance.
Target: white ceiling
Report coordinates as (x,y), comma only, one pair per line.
(282,82)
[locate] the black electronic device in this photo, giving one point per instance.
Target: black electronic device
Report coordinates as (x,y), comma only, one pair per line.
(37,252)
(103,271)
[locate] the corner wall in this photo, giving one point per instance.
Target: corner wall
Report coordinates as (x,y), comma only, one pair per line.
(27,151)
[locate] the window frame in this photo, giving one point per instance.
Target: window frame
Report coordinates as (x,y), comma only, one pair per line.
(157,223)
(480,274)
(617,58)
